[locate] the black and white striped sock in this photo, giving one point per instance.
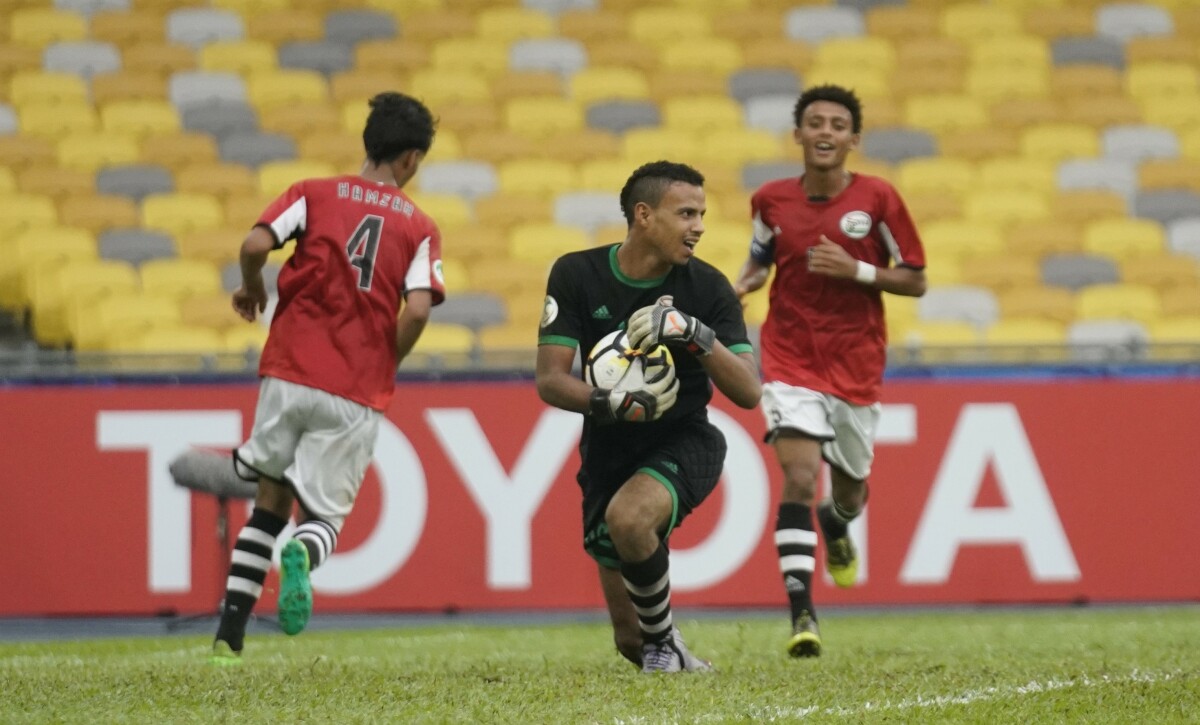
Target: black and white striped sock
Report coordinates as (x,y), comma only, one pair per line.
(319,538)
(649,585)
(249,564)
(796,541)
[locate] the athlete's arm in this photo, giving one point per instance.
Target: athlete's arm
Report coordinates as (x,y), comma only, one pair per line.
(251,298)
(752,277)
(411,322)
(734,374)
(832,260)
(555,384)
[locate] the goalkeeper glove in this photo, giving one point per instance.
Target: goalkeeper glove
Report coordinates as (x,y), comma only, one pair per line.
(661,323)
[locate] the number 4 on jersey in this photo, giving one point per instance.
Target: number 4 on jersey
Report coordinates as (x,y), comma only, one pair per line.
(362,248)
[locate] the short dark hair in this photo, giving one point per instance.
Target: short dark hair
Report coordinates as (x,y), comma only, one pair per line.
(397,123)
(833,94)
(649,183)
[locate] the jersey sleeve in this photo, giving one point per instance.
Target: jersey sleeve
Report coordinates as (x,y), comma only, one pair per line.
(561,323)
(898,232)
(425,270)
(287,216)
(726,318)
(762,244)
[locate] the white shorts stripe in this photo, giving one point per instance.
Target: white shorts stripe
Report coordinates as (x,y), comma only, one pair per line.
(795,536)
(796,562)
(238,584)
(254,561)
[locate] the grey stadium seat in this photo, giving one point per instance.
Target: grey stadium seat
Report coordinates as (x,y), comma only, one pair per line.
(1088,51)
(220,119)
(588,209)
(90,7)
(84,57)
(135,182)
(1166,205)
(1138,143)
(231,276)
(1123,21)
(751,82)
(1112,174)
(865,5)
(960,303)
(255,149)
(557,7)
(197,27)
(894,145)
(620,116)
(814,24)
(471,179)
(8,120)
(755,175)
(203,88)
(353,26)
(1077,270)
(321,56)
(1099,340)
(471,309)
(1183,236)
(135,245)
(771,113)
(557,55)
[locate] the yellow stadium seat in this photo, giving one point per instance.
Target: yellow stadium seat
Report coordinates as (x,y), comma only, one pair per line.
(1117,302)
(1162,271)
(92,151)
(55,120)
(469,116)
(993,84)
(56,182)
(543,243)
(1018,173)
(918,54)
(451,344)
(972,23)
(642,144)
(504,211)
(510,338)
(1123,237)
(604,174)
(436,86)
(874,53)
(720,57)
(269,89)
(1180,301)
(301,119)
(436,24)
(1000,271)
(96,324)
(669,83)
(447,210)
(80,280)
(1087,205)
(470,55)
(218,246)
(1060,141)
(216,178)
(606,234)
(1189,144)
(1026,339)
(98,212)
(927,81)
(1017,53)
(274,177)
(343,149)
(162,58)
(179,213)
(39,27)
(180,278)
(522,285)
(542,117)
(1052,22)
(1180,113)
(19,212)
(8,181)
(1022,113)
(535,177)
(244,338)
(286,25)
(249,7)
(927,207)
(1102,111)
(361,84)
(869,85)
(456,276)
(28,87)
(497,145)
(174,150)
(509,24)
(958,238)
(1169,174)
(663,25)
(702,114)
(1036,239)
(1085,80)
(446,147)
(1006,206)
(942,113)
(166,339)
(140,118)
(36,249)
(510,85)
(737,146)
(125,27)
(594,84)
(391,55)
(1162,80)
(1157,48)
(978,144)
(938,341)
(128,86)
(579,146)
(936,174)
(1175,339)
(1038,301)
(944,272)
(475,241)
(899,22)
(778,53)
(590,26)
(243,57)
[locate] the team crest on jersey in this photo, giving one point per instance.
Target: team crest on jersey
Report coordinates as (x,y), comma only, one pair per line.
(856,224)
(549,311)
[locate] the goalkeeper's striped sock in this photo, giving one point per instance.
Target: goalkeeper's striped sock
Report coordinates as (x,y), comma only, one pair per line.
(795,542)
(319,538)
(250,562)
(649,585)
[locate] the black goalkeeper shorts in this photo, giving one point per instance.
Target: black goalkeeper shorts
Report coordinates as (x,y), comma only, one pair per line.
(687,460)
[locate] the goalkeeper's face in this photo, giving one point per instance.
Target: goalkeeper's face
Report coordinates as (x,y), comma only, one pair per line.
(677,223)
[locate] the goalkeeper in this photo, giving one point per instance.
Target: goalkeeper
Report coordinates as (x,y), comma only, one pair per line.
(649,456)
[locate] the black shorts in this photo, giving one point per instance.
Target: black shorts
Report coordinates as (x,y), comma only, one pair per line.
(687,460)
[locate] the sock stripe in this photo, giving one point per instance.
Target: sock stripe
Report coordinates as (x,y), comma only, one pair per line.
(785,537)
(251,560)
(650,589)
(245,586)
(797,563)
(257,536)
(653,611)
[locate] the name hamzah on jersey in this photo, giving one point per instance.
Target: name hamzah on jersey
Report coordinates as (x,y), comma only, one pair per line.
(823,333)
(360,248)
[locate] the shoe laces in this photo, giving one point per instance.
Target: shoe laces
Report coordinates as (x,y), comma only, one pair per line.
(841,551)
(661,656)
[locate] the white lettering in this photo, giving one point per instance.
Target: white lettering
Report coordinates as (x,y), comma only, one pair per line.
(989,434)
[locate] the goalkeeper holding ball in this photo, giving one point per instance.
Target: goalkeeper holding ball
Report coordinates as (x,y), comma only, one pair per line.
(648,455)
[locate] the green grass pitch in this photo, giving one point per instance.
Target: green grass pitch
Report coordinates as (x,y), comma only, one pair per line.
(1108,665)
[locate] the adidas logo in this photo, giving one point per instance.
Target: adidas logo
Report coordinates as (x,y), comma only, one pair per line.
(602,313)
(793,584)
(670,466)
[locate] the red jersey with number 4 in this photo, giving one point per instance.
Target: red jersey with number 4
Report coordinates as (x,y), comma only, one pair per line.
(360,246)
(822,333)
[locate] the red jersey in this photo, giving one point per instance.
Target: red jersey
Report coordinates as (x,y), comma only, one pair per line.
(360,246)
(822,333)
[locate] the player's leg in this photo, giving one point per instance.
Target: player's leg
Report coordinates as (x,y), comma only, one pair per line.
(850,456)
(627,631)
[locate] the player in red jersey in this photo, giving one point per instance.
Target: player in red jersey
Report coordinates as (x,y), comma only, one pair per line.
(837,240)
(353,299)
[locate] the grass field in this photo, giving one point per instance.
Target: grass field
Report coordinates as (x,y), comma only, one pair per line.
(1123,665)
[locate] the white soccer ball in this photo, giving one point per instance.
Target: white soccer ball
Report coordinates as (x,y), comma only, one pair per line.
(613,364)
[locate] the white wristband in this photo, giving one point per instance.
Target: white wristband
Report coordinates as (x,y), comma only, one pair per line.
(865,273)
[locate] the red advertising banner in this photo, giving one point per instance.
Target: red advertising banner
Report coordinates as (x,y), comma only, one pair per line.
(1049,491)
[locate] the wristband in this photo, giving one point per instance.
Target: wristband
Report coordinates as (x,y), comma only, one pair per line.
(865,273)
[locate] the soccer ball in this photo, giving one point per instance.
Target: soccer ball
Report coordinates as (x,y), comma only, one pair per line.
(615,365)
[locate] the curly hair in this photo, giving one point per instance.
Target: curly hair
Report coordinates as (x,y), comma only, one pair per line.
(397,123)
(649,183)
(833,94)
